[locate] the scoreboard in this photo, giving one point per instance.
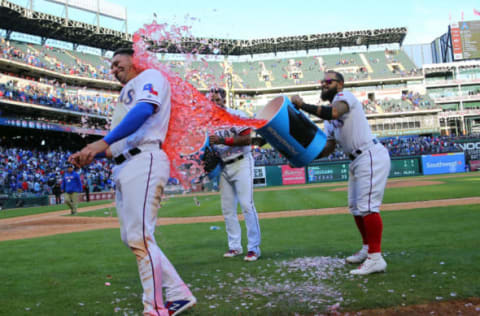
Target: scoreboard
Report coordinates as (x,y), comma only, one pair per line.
(405,167)
(465,39)
(338,171)
(328,172)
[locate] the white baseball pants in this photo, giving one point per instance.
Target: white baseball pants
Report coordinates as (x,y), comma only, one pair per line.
(236,186)
(368,175)
(139,185)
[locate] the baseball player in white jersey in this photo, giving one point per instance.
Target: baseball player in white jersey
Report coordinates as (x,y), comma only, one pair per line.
(139,126)
(236,183)
(346,123)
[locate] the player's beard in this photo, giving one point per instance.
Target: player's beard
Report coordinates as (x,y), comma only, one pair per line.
(329,94)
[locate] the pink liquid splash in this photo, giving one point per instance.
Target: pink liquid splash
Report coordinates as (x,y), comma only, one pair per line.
(192,114)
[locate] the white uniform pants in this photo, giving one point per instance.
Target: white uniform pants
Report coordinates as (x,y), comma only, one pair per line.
(139,185)
(367,180)
(236,186)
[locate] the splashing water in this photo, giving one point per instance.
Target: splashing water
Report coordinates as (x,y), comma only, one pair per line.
(192,114)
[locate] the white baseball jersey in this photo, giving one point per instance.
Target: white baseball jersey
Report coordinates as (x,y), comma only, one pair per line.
(368,172)
(236,187)
(351,130)
(152,87)
(139,183)
(230,152)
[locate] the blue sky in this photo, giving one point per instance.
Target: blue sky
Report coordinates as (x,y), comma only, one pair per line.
(248,19)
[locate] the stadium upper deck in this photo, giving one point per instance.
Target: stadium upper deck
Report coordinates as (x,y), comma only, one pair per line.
(248,75)
(386,81)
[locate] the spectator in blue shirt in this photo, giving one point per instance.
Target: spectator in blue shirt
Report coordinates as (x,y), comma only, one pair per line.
(71,186)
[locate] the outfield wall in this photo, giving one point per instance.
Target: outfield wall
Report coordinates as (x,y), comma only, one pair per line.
(335,171)
(94,196)
(318,172)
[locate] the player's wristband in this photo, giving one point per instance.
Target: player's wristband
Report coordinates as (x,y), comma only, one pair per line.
(312,109)
(326,112)
(228,141)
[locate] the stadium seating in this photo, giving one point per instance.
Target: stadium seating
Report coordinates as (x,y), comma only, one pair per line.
(54,59)
(254,74)
(408,102)
(58,96)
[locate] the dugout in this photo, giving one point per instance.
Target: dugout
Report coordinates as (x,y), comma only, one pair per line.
(8,202)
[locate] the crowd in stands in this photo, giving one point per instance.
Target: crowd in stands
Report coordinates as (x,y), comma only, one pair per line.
(409,101)
(44,57)
(56,95)
(298,72)
(397,146)
(34,172)
(401,146)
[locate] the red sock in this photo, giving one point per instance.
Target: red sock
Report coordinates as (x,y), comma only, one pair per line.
(373,229)
(361,228)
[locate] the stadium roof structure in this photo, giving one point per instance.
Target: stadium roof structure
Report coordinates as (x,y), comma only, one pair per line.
(14,17)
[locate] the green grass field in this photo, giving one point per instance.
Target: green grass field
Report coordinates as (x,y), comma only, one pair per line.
(44,209)
(432,255)
(313,198)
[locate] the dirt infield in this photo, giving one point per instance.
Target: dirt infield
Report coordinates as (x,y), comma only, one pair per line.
(466,307)
(400,184)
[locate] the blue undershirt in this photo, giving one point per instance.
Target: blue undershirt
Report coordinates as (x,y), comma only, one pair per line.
(131,122)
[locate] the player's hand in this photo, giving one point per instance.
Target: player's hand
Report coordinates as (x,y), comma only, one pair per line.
(215,139)
(87,154)
(74,159)
(297,101)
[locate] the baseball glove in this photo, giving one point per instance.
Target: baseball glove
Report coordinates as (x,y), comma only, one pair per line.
(210,159)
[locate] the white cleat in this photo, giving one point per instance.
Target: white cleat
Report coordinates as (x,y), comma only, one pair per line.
(370,266)
(251,256)
(178,307)
(232,253)
(358,257)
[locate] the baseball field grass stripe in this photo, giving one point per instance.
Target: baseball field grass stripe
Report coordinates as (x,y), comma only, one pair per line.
(294,197)
(313,198)
(8,213)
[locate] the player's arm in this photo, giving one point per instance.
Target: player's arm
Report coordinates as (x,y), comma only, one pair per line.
(135,118)
(326,112)
(328,149)
(243,139)
(130,123)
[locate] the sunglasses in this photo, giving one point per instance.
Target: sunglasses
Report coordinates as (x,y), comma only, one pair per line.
(328,81)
